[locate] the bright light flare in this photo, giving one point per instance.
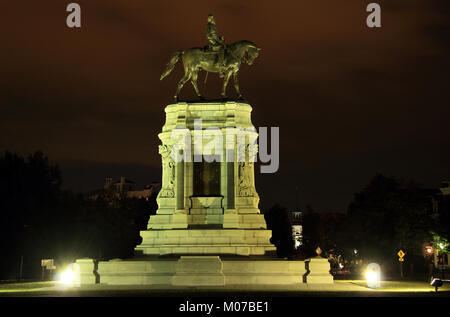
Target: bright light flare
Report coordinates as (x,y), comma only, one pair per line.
(70,277)
(373,275)
(67,277)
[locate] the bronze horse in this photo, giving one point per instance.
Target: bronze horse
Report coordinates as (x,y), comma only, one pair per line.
(196,59)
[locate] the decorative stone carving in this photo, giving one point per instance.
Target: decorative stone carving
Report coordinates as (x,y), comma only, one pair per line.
(168,186)
(246,187)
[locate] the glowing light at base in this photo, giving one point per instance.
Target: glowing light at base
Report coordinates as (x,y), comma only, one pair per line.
(70,277)
(67,277)
(373,275)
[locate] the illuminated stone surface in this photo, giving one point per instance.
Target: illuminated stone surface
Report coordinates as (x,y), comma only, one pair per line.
(230,204)
(208,271)
(208,230)
(319,271)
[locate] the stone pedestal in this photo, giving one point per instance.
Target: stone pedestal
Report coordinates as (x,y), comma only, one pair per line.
(208,230)
(198,271)
(88,271)
(207,207)
(318,271)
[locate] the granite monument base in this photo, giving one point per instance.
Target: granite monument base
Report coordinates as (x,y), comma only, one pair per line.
(205,270)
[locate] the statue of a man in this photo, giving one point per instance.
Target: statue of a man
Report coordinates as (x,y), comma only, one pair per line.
(215,41)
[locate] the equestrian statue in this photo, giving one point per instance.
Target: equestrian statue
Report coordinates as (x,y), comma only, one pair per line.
(216,57)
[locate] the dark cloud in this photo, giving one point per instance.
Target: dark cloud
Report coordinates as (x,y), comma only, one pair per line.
(350,101)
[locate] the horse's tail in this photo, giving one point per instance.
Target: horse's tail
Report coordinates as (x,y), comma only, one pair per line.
(171,64)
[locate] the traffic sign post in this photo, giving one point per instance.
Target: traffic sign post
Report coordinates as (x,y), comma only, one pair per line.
(47,264)
(401,254)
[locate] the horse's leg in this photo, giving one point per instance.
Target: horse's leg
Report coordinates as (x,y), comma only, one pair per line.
(194,83)
(236,85)
(225,83)
(181,84)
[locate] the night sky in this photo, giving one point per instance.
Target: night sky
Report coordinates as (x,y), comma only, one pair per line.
(350,101)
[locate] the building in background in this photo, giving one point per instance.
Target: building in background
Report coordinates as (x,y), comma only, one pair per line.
(295,218)
(123,187)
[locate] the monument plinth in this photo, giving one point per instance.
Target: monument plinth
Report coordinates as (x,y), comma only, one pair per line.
(208,229)
(207,206)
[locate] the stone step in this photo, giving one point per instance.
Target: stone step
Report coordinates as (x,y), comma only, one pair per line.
(205,233)
(205,241)
(206,271)
(213,241)
(175,221)
(245,250)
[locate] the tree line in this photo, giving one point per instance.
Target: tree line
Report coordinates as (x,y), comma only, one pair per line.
(386,216)
(39,220)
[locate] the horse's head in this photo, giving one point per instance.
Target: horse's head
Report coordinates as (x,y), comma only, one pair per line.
(252,53)
(247,50)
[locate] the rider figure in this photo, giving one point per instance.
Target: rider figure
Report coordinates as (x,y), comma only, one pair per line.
(215,41)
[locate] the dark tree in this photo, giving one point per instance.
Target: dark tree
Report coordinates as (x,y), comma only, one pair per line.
(331,231)
(277,219)
(38,220)
(311,239)
(30,220)
(109,227)
(388,215)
